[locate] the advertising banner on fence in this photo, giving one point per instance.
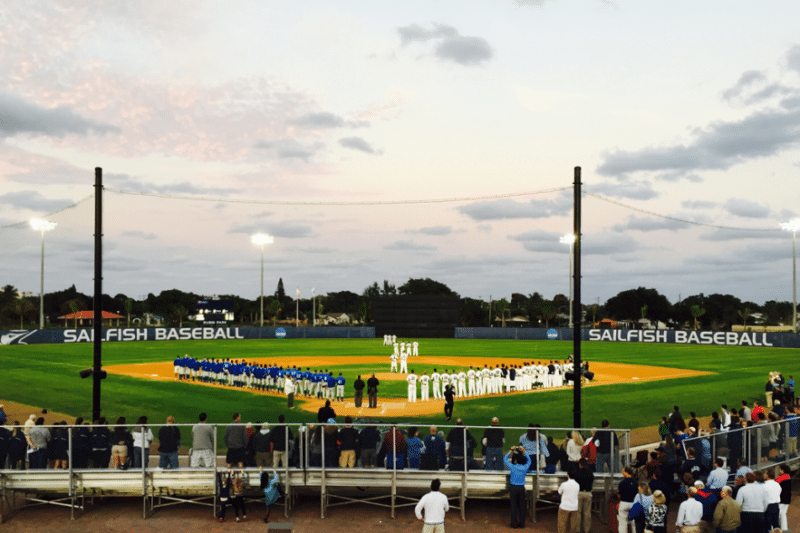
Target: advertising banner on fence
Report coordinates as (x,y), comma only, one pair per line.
(663,336)
(70,336)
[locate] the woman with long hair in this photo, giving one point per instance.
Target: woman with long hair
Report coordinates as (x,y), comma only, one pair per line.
(142,438)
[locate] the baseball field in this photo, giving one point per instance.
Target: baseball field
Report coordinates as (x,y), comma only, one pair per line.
(636,383)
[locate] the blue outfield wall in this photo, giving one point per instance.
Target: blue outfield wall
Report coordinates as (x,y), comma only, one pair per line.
(718,338)
(70,336)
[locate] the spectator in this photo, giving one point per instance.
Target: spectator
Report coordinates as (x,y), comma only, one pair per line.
(5,436)
(435,445)
(518,465)
(727,515)
(325,413)
(368,440)
(694,422)
(348,443)
(656,514)
(433,507)
(663,428)
(608,447)
(121,436)
(142,438)
(203,444)
(414,446)
(645,499)
(568,508)
(457,437)
(708,500)
(261,445)
(744,412)
(331,444)
(271,492)
(493,439)
(752,499)
(772,513)
(676,421)
(785,482)
(693,465)
(735,440)
(574,447)
(235,441)
(278,438)
(394,442)
(237,495)
(628,489)
(38,438)
(17,447)
(718,477)
(585,479)
(59,447)
(169,441)
(3,419)
(537,450)
(690,514)
(101,444)
(81,444)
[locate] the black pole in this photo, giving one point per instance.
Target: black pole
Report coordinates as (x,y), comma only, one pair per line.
(576,302)
(98,292)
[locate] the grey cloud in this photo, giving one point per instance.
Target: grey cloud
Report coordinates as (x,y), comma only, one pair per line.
(790,102)
(721,235)
(793,58)
(745,80)
(649,224)
(34,201)
(591,244)
(718,147)
(290,148)
(510,209)
(415,32)
(636,190)
(313,250)
(464,50)
(467,51)
(139,235)
(20,116)
(409,246)
(769,91)
(747,209)
(286,230)
(433,230)
(673,176)
(357,143)
(698,204)
(327,120)
(129,183)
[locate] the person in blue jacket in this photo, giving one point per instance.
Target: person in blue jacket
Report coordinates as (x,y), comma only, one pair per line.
(519,468)
(271,492)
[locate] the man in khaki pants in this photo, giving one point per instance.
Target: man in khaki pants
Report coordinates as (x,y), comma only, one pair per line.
(585,478)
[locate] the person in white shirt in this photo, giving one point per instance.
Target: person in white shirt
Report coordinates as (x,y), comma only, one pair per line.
(497,381)
(433,506)
(445,379)
(412,387)
(423,386)
(471,382)
(437,391)
(396,349)
(690,513)
(772,512)
(486,387)
(403,362)
(415,347)
(393,365)
(394,339)
(568,509)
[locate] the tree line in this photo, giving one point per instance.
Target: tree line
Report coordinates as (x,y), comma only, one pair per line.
(175,307)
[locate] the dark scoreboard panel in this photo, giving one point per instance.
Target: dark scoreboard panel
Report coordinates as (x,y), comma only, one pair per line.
(214,312)
(423,316)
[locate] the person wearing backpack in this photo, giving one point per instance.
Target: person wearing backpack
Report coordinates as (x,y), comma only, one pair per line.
(589,452)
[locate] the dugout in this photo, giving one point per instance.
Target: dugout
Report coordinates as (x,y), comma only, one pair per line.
(416,316)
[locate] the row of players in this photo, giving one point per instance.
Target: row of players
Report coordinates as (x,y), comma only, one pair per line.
(319,384)
(483,381)
(408,348)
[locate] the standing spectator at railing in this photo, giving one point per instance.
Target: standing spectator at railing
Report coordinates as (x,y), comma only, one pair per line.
(81,444)
(757,409)
(663,428)
(121,437)
(535,448)
(435,445)
(235,441)
(568,508)
(5,436)
(279,437)
(169,441)
(725,417)
(493,439)
(17,447)
(790,430)
(744,412)
(348,443)
(790,390)
(608,447)
(693,465)
(142,439)
(693,422)
(393,443)
(518,464)
(38,438)
(261,445)
(2,416)
(727,514)
(59,446)
(690,514)
(627,490)
(203,444)
(368,440)
(735,440)
(325,413)
(772,515)
(676,420)
(101,444)
(718,477)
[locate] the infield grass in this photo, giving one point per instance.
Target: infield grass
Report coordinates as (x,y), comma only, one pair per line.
(47,376)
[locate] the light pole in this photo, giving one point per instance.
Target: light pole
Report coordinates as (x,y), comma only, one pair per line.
(313,307)
(262,239)
(569,238)
(42,226)
(793,225)
(297,310)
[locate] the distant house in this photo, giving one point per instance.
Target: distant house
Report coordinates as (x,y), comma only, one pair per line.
(335,319)
(88,316)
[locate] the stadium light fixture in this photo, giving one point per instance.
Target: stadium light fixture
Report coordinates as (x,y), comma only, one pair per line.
(569,238)
(262,239)
(42,226)
(793,226)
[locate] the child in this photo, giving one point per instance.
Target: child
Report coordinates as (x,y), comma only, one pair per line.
(224,493)
(237,494)
(271,492)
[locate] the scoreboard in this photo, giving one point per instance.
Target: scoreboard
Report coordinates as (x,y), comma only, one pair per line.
(214,312)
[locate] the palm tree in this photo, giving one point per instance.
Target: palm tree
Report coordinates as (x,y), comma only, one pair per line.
(274,308)
(547,312)
(73,307)
(502,306)
(744,315)
(21,306)
(180,311)
(128,309)
(696,312)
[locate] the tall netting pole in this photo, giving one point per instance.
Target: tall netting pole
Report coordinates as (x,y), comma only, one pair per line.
(98,291)
(576,302)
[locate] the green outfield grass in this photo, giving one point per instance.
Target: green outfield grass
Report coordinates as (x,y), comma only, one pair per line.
(47,376)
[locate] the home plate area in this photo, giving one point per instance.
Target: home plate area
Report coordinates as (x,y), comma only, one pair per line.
(604,374)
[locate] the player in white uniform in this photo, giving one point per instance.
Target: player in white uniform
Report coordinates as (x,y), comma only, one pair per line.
(415,348)
(435,381)
(445,380)
(396,349)
(486,387)
(394,339)
(462,384)
(393,359)
(403,362)
(412,387)
(497,382)
(471,382)
(423,386)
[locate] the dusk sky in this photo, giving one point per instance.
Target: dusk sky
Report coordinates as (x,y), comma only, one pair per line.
(244,116)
